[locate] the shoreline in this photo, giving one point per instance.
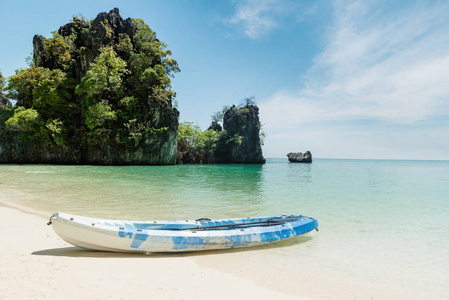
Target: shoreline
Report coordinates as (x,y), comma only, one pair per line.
(36,263)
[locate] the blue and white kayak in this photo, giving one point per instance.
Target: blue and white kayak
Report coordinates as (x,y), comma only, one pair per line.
(173,236)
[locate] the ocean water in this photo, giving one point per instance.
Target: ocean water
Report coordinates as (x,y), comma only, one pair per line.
(384,223)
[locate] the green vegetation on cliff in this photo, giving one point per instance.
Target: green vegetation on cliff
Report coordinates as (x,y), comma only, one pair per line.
(96,86)
(239,141)
(99,92)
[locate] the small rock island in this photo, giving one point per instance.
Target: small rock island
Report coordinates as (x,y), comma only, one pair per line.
(300,157)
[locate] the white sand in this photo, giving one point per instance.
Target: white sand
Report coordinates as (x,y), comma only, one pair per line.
(36,264)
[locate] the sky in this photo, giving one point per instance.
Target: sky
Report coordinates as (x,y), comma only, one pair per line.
(343,79)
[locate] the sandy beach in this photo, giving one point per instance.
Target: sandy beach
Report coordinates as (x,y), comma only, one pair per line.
(36,264)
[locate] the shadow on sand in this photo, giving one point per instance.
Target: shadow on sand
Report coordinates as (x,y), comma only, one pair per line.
(80,252)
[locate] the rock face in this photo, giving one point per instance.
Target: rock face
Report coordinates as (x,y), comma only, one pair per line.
(39,55)
(243,143)
(105,30)
(192,156)
(215,127)
(152,149)
(300,157)
(12,151)
(239,141)
(159,150)
(157,120)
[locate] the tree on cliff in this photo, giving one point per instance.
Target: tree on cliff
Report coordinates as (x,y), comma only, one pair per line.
(192,138)
(102,89)
(98,88)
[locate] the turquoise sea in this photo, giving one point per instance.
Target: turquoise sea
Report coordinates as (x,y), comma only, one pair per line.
(384,223)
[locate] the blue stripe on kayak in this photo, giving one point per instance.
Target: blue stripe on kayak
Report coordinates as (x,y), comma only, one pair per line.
(309,226)
(276,235)
(138,240)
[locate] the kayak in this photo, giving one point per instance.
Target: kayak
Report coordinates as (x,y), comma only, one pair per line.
(174,236)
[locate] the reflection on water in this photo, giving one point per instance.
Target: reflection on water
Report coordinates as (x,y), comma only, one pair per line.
(299,172)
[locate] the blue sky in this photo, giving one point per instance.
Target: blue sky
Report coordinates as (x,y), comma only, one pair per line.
(343,79)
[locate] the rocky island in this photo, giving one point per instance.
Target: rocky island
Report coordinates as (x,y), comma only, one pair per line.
(300,157)
(239,141)
(99,92)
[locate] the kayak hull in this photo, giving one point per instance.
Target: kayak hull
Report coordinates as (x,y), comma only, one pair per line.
(177,236)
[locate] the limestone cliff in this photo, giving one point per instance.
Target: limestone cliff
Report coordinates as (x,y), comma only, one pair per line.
(100,93)
(237,142)
(241,143)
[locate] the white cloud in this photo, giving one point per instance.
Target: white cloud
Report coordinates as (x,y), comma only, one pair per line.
(380,62)
(257,17)
(379,89)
